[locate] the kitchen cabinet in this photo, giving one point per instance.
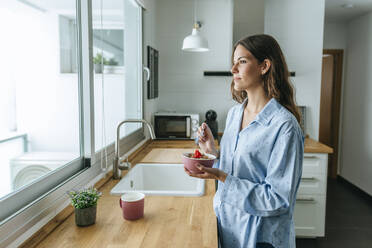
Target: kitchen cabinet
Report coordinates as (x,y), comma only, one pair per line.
(309,213)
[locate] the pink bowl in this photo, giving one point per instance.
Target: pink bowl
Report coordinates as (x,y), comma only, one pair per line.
(190,163)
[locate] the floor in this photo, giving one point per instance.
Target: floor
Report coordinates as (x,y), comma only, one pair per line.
(348,218)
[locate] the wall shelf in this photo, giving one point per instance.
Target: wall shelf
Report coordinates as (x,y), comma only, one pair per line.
(229,74)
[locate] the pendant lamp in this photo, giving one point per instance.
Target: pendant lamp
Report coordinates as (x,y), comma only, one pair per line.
(195,42)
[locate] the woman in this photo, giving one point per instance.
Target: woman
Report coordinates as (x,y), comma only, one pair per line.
(259,165)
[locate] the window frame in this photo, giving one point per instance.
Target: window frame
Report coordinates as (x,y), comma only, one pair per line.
(40,201)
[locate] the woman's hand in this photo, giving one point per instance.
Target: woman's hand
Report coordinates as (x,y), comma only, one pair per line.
(208,173)
(206,140)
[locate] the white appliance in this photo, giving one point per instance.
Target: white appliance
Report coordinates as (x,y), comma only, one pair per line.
(29,166)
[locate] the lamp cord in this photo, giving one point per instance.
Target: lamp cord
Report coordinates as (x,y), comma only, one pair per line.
(194,11)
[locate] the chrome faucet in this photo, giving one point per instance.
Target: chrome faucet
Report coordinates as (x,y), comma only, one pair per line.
(117,165)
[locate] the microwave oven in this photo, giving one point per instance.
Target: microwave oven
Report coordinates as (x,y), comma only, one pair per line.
(170,125)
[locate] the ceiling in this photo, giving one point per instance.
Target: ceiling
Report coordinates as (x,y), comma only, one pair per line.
(112,9)
(70,4)
(334,12)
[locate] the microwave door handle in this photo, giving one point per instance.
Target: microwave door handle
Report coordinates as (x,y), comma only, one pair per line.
(188,127)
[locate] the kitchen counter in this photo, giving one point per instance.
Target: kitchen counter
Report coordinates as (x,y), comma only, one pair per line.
(313,146)
(168,221)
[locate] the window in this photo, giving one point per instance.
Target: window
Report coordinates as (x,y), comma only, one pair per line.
(117,52)
(116,39)
(41,131)
(59,110)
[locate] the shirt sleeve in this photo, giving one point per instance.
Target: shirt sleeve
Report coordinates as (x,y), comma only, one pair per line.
(275,195)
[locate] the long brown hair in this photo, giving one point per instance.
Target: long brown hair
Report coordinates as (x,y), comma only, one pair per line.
(276,80)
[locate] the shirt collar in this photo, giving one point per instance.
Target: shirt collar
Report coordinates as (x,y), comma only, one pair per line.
(267,113)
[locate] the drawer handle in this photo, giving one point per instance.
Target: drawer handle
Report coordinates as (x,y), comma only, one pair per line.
(310,157)
(307,200)
(308,178)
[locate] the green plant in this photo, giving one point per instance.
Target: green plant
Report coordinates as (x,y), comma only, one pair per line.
(112,61)
(84,198)
(98,59)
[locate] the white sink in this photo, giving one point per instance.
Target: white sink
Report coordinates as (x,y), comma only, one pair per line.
(159,179)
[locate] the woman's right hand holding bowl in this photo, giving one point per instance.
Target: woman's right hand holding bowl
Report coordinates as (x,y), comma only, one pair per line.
(207,145)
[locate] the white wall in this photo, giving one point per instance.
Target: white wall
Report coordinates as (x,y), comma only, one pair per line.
(298,27)
(356,155)
(334,35)
(249,17)
(181,73)
(182,86)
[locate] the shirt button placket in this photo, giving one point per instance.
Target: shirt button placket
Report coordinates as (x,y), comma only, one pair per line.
(233,154)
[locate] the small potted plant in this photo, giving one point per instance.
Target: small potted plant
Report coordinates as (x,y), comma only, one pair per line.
(98,61)
(111,66)
(85,204)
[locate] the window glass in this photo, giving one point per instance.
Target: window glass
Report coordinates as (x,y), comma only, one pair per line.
(39,97)
(117,67)
(133,62)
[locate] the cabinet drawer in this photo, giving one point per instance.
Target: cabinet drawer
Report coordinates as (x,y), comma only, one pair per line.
(309,215)
(314,163)
(312,184)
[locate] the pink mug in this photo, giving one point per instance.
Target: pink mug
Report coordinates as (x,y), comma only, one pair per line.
(132,205)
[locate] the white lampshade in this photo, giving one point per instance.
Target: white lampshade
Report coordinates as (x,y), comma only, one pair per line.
(195,42)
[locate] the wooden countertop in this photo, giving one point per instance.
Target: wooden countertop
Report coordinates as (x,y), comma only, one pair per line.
(313,146)
(168,221)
